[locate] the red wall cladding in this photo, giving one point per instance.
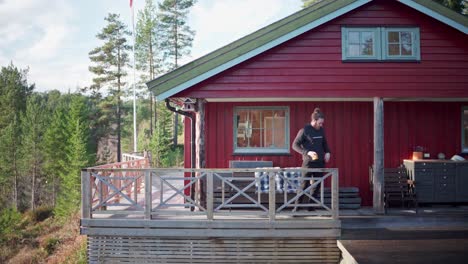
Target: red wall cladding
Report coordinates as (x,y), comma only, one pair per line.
(436,126)
(311,64)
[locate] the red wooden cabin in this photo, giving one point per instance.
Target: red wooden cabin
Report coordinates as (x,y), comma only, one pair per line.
(345,57)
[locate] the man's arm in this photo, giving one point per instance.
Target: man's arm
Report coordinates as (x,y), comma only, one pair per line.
(297,143)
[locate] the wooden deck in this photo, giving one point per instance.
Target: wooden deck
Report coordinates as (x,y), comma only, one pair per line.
(145,215)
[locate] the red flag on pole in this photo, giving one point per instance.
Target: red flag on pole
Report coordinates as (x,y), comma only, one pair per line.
(131,1)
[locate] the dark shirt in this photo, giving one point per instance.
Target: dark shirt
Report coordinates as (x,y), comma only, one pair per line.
(311,139)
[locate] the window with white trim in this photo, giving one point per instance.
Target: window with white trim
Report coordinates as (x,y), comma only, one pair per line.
(262,130)
(380,44)
(465,129)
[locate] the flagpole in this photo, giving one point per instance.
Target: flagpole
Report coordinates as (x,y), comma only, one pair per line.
(134,84)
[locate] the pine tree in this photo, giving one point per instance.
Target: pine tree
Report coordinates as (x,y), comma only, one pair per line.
(76,158)
(33,128)
(14,91)
(160,144)
(111,60)
(176,38)
(147,53)
(55,139)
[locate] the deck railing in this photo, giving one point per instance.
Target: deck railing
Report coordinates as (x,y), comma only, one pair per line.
(153,193)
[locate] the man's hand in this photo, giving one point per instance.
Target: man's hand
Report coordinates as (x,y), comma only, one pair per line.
(313,155)
(327,157)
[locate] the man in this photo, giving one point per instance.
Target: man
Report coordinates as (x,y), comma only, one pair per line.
(312,144)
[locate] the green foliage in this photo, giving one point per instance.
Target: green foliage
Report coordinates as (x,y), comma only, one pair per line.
(147,53)
(14,91)
(9,219)
(33,127)
(51,244)
(55,140)
(160,144)
(111,58)
(76,158)
(110,61)
(176,36)
(459,6)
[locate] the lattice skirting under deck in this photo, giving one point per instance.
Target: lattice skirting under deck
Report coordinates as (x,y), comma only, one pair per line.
(112,249)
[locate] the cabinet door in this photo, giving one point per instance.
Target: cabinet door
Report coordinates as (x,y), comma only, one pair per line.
(444,177)
(462,183)
(424,182)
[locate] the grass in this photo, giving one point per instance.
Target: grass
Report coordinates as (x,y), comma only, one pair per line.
(46,241)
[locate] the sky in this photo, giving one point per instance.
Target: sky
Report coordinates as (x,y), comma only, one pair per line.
(53,38)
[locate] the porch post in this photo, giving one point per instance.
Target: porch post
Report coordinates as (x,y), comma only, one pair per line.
(200,134)
(86,203)
(200,161)
(378,175)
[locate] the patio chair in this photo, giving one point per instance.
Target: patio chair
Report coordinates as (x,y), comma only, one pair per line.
(398,188)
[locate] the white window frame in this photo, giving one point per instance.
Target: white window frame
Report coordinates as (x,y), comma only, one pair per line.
(381,44)
(345,48)
(262,150)
(416,54)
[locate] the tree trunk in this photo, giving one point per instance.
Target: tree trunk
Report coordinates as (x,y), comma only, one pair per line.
(33,188)
(119,154)
(151,74)
(16,183)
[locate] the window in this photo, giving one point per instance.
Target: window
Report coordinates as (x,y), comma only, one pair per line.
(401,43)
(361,44)
(261,130)
(465,129)
(380,43)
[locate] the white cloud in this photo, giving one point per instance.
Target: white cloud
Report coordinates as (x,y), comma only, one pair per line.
(35,35)
(222,22)
(52,38)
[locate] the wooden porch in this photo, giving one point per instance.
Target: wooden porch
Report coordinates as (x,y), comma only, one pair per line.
(149,215)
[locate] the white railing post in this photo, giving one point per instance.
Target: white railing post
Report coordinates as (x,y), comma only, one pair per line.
(271,197)
(335,195)
(86,194)
(209,195)
(148,198)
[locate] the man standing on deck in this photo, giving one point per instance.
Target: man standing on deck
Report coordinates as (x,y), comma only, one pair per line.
(312,144)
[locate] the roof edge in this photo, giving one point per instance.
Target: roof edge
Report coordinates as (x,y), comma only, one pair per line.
(287,28)
(275,42)
(439,12)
